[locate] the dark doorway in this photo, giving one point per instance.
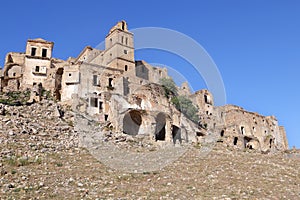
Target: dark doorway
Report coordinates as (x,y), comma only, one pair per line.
(222,133)
(235,140)
(58,78)
(246,140)
(110,82)
(160,131)
(176,134)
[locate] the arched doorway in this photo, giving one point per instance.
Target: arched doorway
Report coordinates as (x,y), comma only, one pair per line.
(132,122)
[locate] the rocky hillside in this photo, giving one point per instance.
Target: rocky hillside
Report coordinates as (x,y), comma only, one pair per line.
(40,158)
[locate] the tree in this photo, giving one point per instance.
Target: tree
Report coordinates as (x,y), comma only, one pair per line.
(169,86)
(186,106)
(182,103)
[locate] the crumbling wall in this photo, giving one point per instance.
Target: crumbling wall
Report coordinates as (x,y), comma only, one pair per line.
(254,130)
(113,88)
(285,144)
(204,100)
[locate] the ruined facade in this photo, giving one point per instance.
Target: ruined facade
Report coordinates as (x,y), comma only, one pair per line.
(114,88)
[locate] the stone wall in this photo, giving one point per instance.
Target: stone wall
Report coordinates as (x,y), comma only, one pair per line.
(112,87)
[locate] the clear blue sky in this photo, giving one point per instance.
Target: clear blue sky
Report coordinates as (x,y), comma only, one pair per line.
(254,43)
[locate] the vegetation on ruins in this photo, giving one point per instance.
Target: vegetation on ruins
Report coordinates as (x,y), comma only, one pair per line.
(182,103)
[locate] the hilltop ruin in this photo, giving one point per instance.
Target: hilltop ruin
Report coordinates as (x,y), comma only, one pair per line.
(112,87)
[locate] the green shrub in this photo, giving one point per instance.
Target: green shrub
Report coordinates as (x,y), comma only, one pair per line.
(12,161)
(23,162)
(169,86)
(186,106)
(182,103)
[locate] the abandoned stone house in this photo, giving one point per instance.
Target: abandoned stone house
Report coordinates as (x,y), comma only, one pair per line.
(111,86)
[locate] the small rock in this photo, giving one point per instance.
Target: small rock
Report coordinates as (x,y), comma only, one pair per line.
(11,133)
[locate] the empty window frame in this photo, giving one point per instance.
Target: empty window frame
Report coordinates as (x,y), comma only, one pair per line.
(44,53)
(110,82)
(93,102)
(33,51)
(95,80)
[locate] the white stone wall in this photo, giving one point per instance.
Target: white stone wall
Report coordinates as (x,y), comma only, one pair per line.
(29,77)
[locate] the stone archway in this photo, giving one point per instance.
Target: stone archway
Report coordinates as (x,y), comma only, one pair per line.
(132,122)
(160,130)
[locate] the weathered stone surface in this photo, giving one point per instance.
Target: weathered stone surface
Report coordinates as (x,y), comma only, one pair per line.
(109,104)
(111,86)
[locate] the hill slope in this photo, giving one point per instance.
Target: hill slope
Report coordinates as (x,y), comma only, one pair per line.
(40,159)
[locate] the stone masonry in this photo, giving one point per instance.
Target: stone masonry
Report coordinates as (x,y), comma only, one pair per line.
(113,88)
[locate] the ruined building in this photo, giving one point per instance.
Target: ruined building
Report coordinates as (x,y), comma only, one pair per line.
(112,87)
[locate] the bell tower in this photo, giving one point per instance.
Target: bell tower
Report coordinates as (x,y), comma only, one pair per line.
(119,48)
